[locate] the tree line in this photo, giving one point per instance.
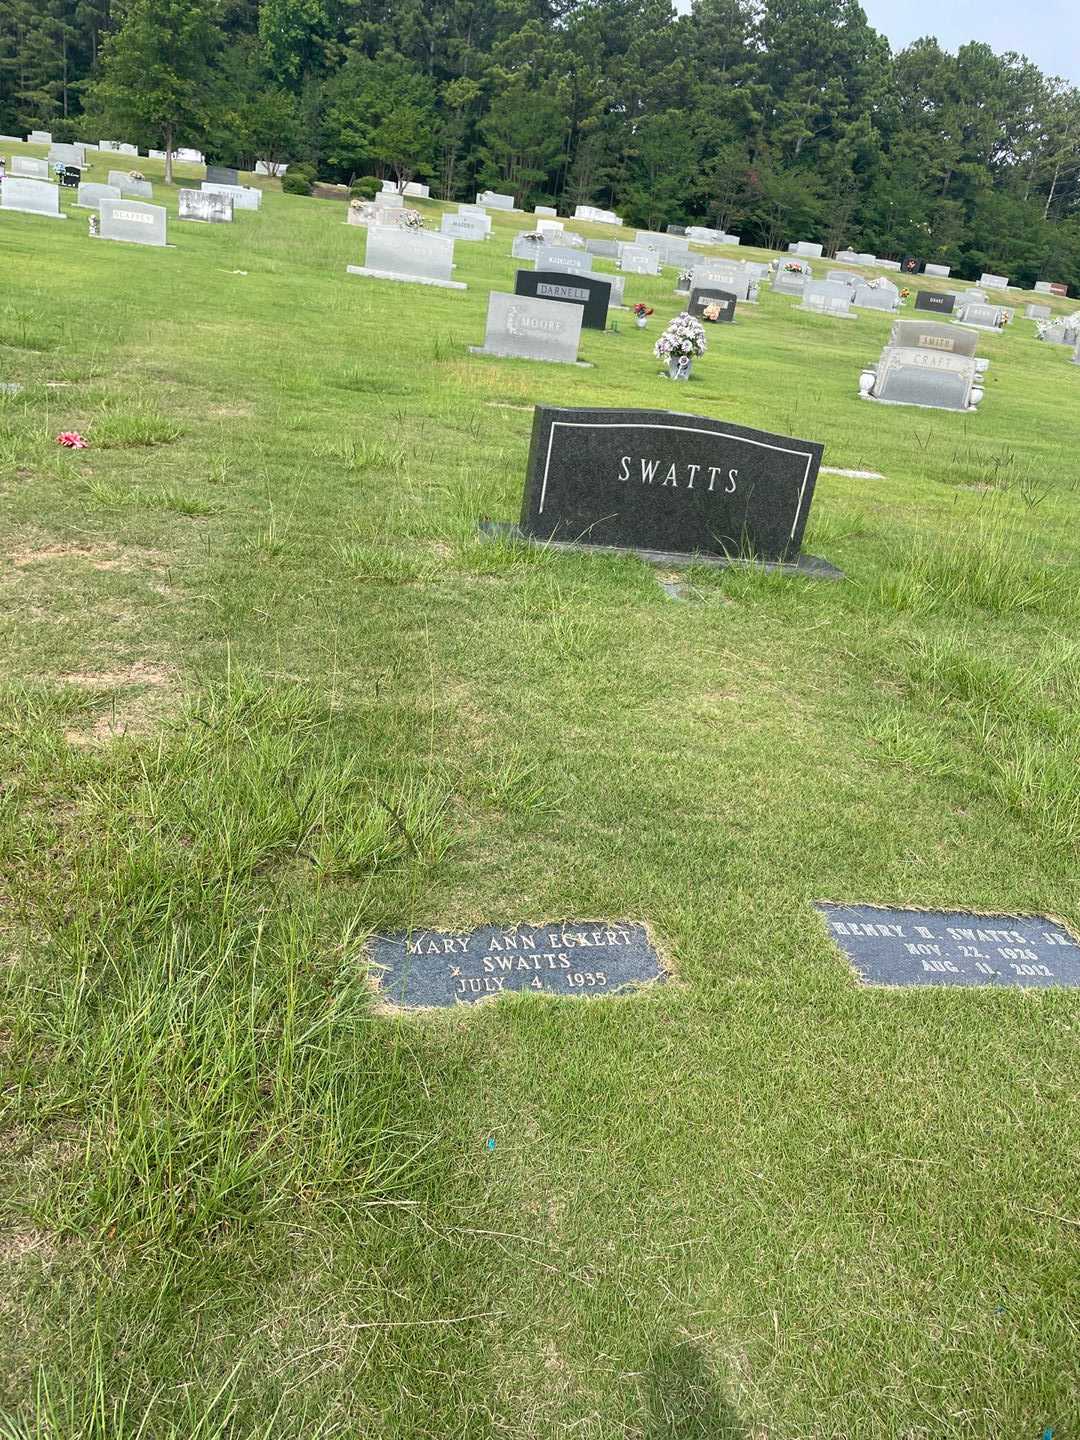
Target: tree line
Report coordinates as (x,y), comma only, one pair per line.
(775,119)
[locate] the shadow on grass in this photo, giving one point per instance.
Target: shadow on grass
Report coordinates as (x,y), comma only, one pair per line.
(684,1400)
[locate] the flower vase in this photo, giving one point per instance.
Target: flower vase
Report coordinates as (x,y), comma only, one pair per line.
(679,367)
(641,321)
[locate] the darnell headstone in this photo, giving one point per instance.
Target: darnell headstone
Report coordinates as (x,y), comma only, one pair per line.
(954,947)
(589,291)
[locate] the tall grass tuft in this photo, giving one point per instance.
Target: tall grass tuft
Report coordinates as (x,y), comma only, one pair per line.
(996,569)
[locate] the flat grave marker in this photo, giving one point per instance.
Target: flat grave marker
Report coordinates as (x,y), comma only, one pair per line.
(670,488)
(520,327)
(442,968)
(591,292)
(953,947)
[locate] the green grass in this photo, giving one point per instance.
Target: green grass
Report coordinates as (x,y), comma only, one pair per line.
(266,693)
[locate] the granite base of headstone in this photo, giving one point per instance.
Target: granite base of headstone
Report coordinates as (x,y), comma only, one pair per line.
(954,947)
(673,489)
(426,969)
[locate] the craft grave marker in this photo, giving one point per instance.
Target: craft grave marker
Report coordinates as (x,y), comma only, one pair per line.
(409,256)
(669,487)
(931,379)
(520,327)
(953,947)
(591,292)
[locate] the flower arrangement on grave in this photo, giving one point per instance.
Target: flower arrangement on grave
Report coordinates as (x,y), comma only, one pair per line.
(410,220)
(534,237)
(683,339)
(711,312)
(685,279)
(94,224)
(136,175)
(641,314)
(72,440)
(794,266)
(904,293)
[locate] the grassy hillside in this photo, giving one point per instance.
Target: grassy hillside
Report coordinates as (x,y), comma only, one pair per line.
(266,692)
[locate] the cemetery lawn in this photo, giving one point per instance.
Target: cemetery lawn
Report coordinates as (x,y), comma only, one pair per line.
(266,693)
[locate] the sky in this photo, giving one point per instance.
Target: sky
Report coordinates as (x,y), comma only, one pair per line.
(1046,31)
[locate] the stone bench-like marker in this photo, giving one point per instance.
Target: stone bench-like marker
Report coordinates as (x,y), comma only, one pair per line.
(89,196)
(591,292)
(137,189)
(28,167)
(674,489)
(31,197)
(133,222)
(408,257)
(212,207)
(521,327)
(931,379)
(828,297)
(463,227)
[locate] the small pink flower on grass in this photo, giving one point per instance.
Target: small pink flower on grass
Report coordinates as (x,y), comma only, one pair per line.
(72,440)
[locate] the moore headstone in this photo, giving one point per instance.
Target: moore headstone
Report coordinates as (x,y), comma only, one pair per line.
(954,947)
(521,328)
(132,221)
(589,291)
(570,959)
(667,484)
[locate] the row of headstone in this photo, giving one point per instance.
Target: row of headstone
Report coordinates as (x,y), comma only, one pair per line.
(925,364)
(31,197)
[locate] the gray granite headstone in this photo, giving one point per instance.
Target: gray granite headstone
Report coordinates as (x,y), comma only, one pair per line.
(808,249)
(494,201)
(662,483)
(828,297)
(244,197)
(31,197)
(527,245)
(415,256)
(133,221)
(138,189)
(563,257)
(211,206)
(882,296)
(222,175)
(929,378)
(520,327)
(941,271)
(463,227)
(791,281)
(28,167)
(565,958)
(591,292)
(741,280)
(89,196)
(984,317)
(925,335)
(605,249)
(954,947)
(1038,312)
(67,155)
(639,260)
(994,282)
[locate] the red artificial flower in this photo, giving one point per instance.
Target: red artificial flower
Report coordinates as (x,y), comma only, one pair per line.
(72,440)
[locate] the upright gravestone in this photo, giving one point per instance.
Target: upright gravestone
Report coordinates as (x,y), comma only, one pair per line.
(669,486)
(639,260)
(791,276)
(463,227)
(67,155)
(941,271)
(426,969)
(132,221)
(741,280)
(720,305)
(28,167)
(413,257)
(39,137)
(521,328)
(494,201)
(137,189)
(210,206)
(880,296)
(89,197)
(588,291)
(527,245)
(31,197)
(390,200)
(994,282)
(938,302)
(983,317)
(548,211)
(562,257)
(925,335)
(1038,312)
(828,297)
(604,249)
(807,250)
(953,947)
(932,379)
(222,175)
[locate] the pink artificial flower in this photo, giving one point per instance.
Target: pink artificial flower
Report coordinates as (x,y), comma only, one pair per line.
(72,440)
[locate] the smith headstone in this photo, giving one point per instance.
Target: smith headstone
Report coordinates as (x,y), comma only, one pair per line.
(954,947)
(588,291)
(667,484)
(571,959)
(925,335)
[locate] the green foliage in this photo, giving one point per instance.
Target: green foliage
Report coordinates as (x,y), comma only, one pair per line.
(296,182)
(366,188)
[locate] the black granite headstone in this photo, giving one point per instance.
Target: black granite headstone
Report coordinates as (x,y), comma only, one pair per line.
(701,298)
(947,947)
(442,967)
(69,176)
(910,265)
(932,300)
(591,292)
(222,175)
(669,485)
